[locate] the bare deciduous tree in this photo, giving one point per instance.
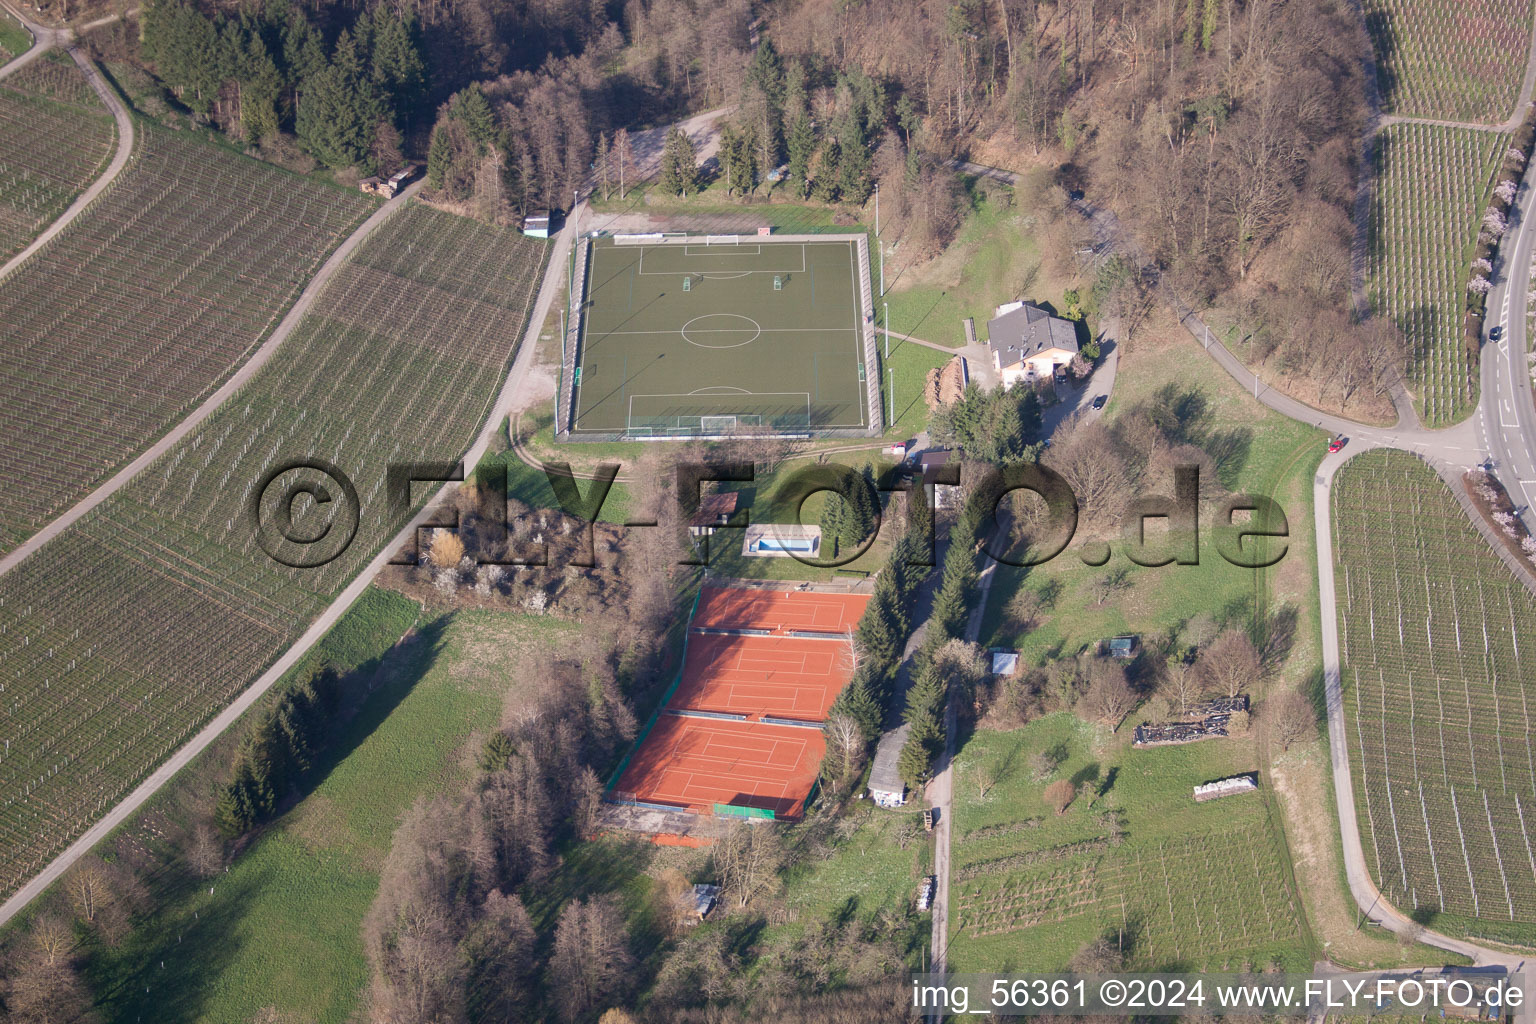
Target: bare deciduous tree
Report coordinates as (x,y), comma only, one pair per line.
(845,744)
(205,853)
(89,891)
(748,858)
(1289,716)
(1059,795)
(1181,686)
(1109,698)
(590,963)
(1230,664)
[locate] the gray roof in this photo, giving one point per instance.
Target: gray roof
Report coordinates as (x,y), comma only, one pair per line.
(883,774)
(1028,331)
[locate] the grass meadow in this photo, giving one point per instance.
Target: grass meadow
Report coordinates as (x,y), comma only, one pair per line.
(282,928)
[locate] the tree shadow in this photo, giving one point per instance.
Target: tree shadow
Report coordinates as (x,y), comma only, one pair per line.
(179,956)
(1379,25)
(369,694)
(1276,636)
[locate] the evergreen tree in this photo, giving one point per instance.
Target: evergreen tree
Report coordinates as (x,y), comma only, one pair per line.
(439,157)
(802,146)
(303,54)
(914,762)
(857,702)
(765,75)
(261,90)
(824,178)
(233,814)
(796,99)
(339,110)
(471,107)
(397,66)
(679,165)
(1208,23)
(853,169)
(879,633)
(908,119)
(832,514)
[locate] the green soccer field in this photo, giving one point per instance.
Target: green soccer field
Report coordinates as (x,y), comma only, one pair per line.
(691,338)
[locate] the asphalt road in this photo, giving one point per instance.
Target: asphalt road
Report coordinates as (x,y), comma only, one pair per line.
(1506,417)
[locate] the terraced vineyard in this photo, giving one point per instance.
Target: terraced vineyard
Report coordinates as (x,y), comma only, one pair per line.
(1187,885)
(1432,187)
(1455,60)
(55,138)
(121,637)
(142,306)
(1439,649)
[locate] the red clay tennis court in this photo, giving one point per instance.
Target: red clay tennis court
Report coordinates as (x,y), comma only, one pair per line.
(699,762)
(779,676)
(781,610)
(711,744)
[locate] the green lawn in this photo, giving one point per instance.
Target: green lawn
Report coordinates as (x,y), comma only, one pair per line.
(910,364)
(283,926)
(1256,451)
(14,40)
(995,259)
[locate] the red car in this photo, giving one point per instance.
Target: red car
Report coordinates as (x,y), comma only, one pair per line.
(1335,443)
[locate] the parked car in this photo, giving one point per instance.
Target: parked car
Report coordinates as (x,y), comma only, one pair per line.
(1098,402)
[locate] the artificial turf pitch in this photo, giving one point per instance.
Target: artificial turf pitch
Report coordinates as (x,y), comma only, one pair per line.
(726,350)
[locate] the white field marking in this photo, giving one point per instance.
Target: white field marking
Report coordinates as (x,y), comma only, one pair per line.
(773,270)
(723,249)
(756,329)
(728,330)
(719,389)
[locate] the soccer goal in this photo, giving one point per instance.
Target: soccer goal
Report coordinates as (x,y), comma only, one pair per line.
(717,424)
(722,239)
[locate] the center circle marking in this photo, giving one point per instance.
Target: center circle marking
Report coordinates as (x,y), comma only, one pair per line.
(721,330)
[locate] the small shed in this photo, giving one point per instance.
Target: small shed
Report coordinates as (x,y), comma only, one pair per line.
(931,462)
(1004,663)
(536,224)
(403,177)
(373,185)
(701,900)
(885,786)
(1125,647)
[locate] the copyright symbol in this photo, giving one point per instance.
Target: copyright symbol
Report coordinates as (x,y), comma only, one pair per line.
(1112,992)
(306,513)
